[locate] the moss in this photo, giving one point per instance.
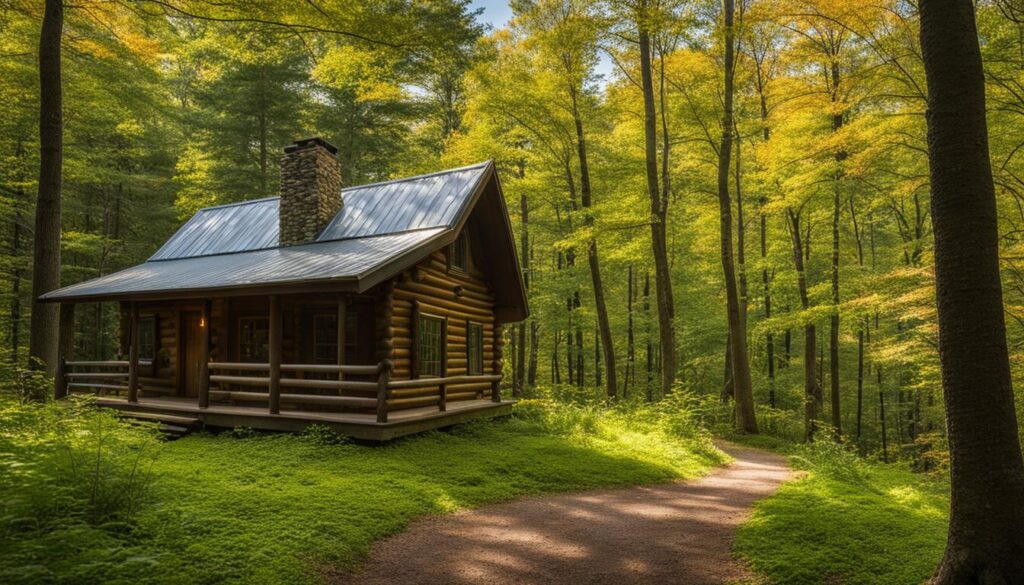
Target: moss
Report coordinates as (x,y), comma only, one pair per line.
(886,527)
(276,508)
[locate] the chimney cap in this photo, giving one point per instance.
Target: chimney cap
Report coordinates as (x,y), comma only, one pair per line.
(310,142)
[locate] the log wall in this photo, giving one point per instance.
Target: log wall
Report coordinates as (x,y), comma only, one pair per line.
(458,296)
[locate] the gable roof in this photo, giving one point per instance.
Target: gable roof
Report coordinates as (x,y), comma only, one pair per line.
(381,230)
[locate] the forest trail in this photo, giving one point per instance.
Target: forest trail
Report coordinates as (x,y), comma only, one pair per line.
(670,533)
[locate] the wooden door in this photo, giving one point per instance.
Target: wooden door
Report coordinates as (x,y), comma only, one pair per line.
(191,352)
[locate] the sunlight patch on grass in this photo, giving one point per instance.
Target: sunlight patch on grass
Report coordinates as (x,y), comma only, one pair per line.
(888,528)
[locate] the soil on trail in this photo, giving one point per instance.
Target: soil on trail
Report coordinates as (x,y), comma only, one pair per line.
(670,533)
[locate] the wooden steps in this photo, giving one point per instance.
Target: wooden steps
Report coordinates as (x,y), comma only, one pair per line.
(173,426)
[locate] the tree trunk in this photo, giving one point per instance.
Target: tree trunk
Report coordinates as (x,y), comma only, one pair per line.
(742,389)
(592,257)
(524,259)
(833,338)
(659,212)
(649,355)
(811,388)
(43,336)
(986,524)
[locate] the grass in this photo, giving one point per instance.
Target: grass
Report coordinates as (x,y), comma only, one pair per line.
(278,508)
(848,522)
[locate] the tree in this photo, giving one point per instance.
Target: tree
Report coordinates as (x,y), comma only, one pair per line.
(742,389)
(986,527)
(46,252)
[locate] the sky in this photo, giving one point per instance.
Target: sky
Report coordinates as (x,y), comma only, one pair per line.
(497,13)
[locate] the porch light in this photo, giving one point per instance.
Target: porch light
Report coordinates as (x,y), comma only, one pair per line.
(202,322)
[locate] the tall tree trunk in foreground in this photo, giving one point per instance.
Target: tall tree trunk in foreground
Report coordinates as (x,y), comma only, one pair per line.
(46,253)
(524,260)
(986,524)
(742,390)
(659,209)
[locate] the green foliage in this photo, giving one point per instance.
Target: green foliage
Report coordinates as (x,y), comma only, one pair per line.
(73,482)
(278,508)
(324,435)
(877,525)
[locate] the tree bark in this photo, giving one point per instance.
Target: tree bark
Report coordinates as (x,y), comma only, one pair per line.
(986,524)
(43,336)
(811,389)
(592,256)
(742,388)
(659,212)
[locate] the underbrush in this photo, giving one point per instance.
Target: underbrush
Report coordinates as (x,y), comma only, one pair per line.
(72,477)
(848,521)
(249,507)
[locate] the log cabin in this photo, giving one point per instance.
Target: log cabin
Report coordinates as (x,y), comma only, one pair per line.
(375,310)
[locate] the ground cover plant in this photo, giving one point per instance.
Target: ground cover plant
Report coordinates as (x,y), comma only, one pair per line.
(848,521)
(244,507)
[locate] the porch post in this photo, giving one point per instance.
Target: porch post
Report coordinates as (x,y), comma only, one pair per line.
(66,348)
(342,313)
(204,350)
(133,354)
(496,365)
(275,354)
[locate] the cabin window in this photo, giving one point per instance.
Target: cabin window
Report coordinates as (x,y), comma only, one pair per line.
(254,339)
(325,339)
(430,345)
(458,254)
(147,337)
(474,348)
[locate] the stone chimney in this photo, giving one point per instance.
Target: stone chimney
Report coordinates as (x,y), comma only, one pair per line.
(310,190)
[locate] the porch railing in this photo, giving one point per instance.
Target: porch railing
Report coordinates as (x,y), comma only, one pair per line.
(302,384)
(103,376)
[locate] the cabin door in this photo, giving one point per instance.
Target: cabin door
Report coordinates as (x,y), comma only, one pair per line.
(191,351)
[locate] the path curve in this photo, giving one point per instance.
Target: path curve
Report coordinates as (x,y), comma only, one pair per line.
(670,533)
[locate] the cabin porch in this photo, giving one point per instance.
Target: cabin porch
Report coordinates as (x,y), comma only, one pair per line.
(280,362)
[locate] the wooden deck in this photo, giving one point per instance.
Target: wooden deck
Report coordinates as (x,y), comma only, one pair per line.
(359,426)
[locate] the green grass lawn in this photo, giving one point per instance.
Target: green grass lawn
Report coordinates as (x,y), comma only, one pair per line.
(849,523)
(277,508)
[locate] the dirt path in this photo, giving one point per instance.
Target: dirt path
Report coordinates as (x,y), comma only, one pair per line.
(670,533)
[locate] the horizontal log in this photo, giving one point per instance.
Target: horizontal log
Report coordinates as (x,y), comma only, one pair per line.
(95,386)
(308,399)
(361,370)
(242,380)
(398,403)
(428,382)
(453,396)
(95,375)
(330,384)
(415,392)
(108,363)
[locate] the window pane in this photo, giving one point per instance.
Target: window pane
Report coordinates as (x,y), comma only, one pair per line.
(254,339)
(430,346)
(459,252)
(147,338)
(475,348)
(325,339)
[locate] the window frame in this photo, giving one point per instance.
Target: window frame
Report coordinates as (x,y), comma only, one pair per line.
(474,348)
(242,341)
(148,324)
(442,341)
(331,343)
(458,253)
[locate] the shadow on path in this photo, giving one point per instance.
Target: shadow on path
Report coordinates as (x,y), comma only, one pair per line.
(670,533)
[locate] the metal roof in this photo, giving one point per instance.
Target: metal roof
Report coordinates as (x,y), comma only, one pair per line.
(425,201)
(352,259)
(381,230)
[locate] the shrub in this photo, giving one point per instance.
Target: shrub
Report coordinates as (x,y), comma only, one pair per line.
(830,459)
(69,462)
(324,435)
